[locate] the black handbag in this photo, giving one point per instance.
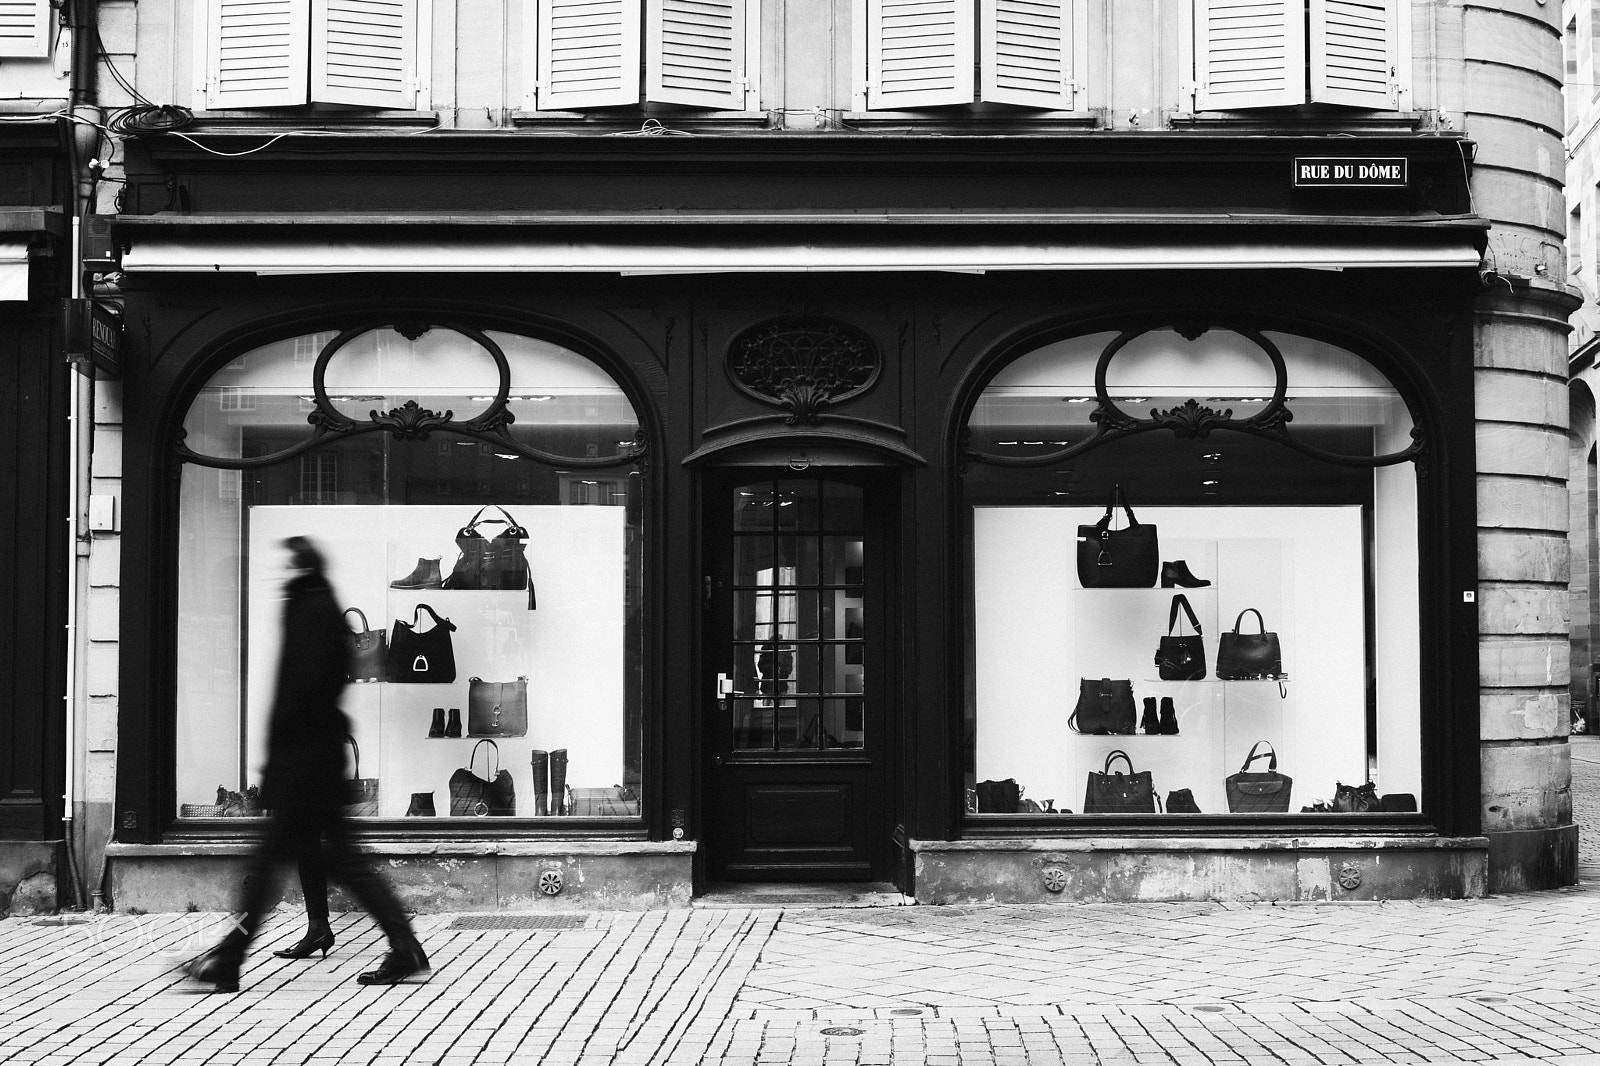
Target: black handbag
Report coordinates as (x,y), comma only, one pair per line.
(1119,793)
(1257,792)
(1356,799)
(471,795)
(425,658)
(369,650)
(489,563)
(1118,558)
(362,792)
(1181,658)
(1249,656)
(1105,707)
(1181,801)
(497,708)
(999,797)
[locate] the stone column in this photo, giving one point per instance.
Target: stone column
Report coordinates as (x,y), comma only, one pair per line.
(1512,108)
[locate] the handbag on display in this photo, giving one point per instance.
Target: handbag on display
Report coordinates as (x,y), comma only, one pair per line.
(1119,793)
(1249,656)
(422,658)
(497,708)
(1181,658)
(362,799)
(497,562)
(999,797)
(1105,707)
(1181,801)
(1126,558)
(1356,799)
(1258,792)
(369,650)
(471,795)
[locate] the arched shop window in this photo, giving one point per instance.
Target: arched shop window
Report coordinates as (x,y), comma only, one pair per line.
(1279,474)
(393,448)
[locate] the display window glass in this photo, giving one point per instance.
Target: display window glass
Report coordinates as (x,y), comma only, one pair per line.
(1264,603)
(492,598)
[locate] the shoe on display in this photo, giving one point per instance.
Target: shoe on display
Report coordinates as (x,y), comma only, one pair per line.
(1149,724)
(425,576)
(1169,717)
(1176,575)
(436,729)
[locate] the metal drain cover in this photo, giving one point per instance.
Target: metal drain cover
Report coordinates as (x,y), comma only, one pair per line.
(842,1030)
(520,921)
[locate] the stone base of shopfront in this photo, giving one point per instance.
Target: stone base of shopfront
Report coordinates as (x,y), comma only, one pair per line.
(429,877)
(1189,869)
(1526,860)
(28,881)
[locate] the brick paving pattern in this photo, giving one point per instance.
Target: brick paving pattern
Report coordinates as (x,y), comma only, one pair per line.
(1507,981)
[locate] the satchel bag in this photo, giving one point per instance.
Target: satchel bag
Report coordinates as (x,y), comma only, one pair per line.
(362,792)
(1181,658)
(426,658)
(1356,799)
(1118,558)
(1258,793)
(1119,793)
(369,650)
(999,797)
(497,562)
(1105,707)
(497,708)
(1181,801)
(1249,656)
(471,795)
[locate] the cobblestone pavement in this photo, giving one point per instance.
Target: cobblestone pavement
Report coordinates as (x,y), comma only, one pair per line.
(1507,981)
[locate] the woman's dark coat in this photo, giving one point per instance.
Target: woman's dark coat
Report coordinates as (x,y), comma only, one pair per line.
(305,768)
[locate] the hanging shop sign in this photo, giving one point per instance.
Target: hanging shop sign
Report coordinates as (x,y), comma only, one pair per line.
(92,338)
(1350,172)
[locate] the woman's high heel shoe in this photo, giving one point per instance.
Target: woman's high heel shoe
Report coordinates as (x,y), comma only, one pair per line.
(1176,575)
(216,967)
(317,938)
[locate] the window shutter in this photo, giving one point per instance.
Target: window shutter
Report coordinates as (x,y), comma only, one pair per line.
(1031,52)
(25,28)
(695,53)
(919,53)
(1355,52)
(364,52)
(588,53)
(1249,53)
(257,52)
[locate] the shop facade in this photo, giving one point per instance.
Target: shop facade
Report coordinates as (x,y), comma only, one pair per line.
(802,522)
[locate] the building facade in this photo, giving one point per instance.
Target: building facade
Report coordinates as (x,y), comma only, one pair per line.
(803,441)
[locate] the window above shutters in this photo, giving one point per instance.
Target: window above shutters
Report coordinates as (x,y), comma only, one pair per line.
(25,28)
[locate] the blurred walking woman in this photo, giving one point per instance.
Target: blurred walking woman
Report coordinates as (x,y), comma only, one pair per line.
(303,785)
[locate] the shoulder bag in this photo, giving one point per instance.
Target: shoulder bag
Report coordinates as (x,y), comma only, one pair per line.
(1181,658)
(1104,707)
(1119,793)
(1356,799)
(999,797)
(497,708)
(497,562)
(1249,656)
(471,795)
(362,791)
(1258,792)
(1118,558)
(422,658)
(369,649)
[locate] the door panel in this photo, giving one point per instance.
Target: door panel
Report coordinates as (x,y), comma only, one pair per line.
(796,679)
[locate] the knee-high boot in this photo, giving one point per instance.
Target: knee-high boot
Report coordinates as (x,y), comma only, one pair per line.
(558,781)
(541,783)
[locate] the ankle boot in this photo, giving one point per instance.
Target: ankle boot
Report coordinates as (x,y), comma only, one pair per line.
(1148,723)
(541,783)
(558,781)
(437,728)
(425,576)
(1176,575)
(1169,717)
(421,805)
(453,727)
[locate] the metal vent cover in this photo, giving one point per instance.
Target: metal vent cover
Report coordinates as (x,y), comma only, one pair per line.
(520,921)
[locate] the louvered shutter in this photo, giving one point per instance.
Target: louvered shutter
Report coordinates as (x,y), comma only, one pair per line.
(919,53)
(1355,52)
(1030,52)
(588,53)
(364,52)
(25,28)
(1249,53)
(256,52)
(695,53)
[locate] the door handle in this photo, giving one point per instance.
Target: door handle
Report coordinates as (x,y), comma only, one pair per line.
(724,685)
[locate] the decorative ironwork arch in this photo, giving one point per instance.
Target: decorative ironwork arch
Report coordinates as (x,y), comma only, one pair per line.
(412,421)
(803,363)
(1194,420)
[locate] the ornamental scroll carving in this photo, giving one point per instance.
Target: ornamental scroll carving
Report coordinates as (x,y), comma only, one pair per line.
(803,364)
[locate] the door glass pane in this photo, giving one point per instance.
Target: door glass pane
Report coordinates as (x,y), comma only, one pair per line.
(753,507)
(799,505)
(841,560)
(752,724)
(842,722)
(800,553)
(842,508)
(752,557)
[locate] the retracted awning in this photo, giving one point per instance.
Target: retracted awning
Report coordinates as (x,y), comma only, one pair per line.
(13,270)
(187,253)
